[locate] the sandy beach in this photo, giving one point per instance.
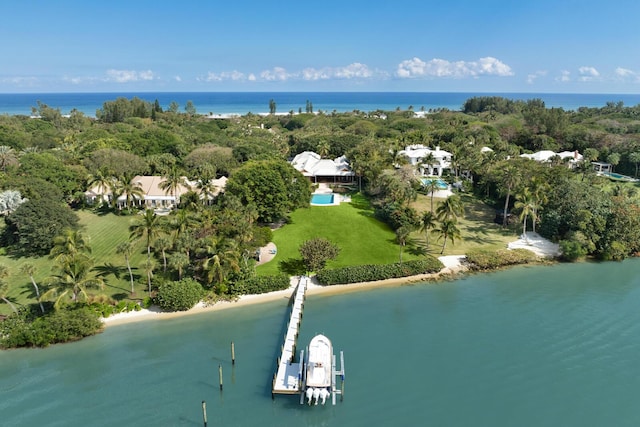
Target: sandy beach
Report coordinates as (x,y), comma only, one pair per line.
(453,264)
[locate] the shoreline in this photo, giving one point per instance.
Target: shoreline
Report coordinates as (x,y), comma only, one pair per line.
(452,266)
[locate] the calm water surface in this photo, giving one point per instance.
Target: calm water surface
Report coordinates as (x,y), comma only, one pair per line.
(541,346)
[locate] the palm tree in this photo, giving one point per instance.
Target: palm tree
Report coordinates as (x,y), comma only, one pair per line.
(147,227)
(451,208)
(178,261)
(428,161)
(72,273)
(509,180)
(172,182)
(70,243)
(29,269)
(430,185)
(428,222)
(149,266)
(103,184)
(126,248)
(130,189)
(524,202)
(402,233)
(324,148)
(4,287)
(7,157)
(447,231)
(163,244)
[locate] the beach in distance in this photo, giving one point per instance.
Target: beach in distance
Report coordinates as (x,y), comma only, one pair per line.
(241,103)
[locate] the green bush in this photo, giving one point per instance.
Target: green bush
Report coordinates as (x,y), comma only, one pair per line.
(68,324)
(369,273)
(179,296)
(481,260)
(572,250)
(260,285)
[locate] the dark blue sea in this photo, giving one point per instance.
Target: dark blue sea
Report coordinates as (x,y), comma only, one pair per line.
(258,102)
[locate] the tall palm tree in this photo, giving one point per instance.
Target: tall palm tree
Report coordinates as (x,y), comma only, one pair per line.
(206,175)
(172,182)
(148,227)
(450,208)
(126,248)
(4,287)
(509,178)
(72,274)
(130,189)
(70,243)
(524,202)
(402,233)
(29,269)
(447,231)
(149,266)
(103,183)
(427,223)
(163,244)
(430,185)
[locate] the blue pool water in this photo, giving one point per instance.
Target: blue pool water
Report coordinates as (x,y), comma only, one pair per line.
(618,176)
(322,199)
(442,185)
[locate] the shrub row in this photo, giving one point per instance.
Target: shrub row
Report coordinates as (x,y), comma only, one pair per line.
(106,309)
(70,324)
(261,284)
(180,295)
(480,260)
(369,273)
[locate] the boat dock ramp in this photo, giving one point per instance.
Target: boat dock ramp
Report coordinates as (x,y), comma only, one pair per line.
(290,374)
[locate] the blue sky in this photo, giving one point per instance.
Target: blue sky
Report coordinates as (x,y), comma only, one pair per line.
(561,46)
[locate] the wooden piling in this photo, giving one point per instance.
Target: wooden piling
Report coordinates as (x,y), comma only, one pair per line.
(204,412)
(220,375)
(233,354)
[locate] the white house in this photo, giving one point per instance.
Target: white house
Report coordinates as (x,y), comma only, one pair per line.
(314,167)
(572,158)
(417,155)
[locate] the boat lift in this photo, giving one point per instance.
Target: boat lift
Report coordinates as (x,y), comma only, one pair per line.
(290,375)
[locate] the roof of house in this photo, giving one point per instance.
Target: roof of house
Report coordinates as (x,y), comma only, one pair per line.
(546,155)
(311,164)
(419,151)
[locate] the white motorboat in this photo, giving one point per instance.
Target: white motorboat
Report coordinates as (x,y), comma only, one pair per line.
(318,374)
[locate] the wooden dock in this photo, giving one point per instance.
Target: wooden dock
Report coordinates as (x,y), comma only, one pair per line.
(288,377)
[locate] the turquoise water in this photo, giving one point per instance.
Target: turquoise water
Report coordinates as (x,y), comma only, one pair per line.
(439,183)
(540,346)
(618,176)
(322,199)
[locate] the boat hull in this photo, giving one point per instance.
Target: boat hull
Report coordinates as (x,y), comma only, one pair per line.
(319,360)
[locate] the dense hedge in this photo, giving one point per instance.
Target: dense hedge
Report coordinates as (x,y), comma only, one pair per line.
(70,324)
(369,273)
(261,285)
(180,295)
(481,260)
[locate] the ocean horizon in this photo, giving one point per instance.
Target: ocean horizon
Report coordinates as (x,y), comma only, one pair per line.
(242,103)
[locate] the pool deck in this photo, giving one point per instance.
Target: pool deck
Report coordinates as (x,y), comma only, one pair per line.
(337,198)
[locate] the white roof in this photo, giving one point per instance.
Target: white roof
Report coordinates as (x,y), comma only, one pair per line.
(546,155)
(419,151)
(311,164)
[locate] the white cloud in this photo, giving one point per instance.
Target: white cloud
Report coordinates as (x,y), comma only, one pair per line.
(127,76)
(178,78)
(624,72)
(489,66)
(565,76)
(276,73)
(351,71)
(531,78)
(251,77)
(588,74)
(20,81)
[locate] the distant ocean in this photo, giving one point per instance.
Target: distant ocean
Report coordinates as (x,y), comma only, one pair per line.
(258,102)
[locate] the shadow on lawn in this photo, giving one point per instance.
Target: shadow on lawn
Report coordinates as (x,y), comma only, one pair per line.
(292,266)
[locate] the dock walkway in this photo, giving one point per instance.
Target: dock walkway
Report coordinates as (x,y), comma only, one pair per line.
(288,377)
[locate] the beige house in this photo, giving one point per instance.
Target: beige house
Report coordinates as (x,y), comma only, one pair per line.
(153,196)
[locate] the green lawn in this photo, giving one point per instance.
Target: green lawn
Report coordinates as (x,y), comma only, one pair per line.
(362,238)
(105,232)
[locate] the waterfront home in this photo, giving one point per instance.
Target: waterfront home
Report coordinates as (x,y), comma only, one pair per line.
(153,195)
(428,162)
(571,158)
(317,169)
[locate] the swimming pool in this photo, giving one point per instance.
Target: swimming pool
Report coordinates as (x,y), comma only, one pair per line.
(322,199)
(440,184)
(618,176)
